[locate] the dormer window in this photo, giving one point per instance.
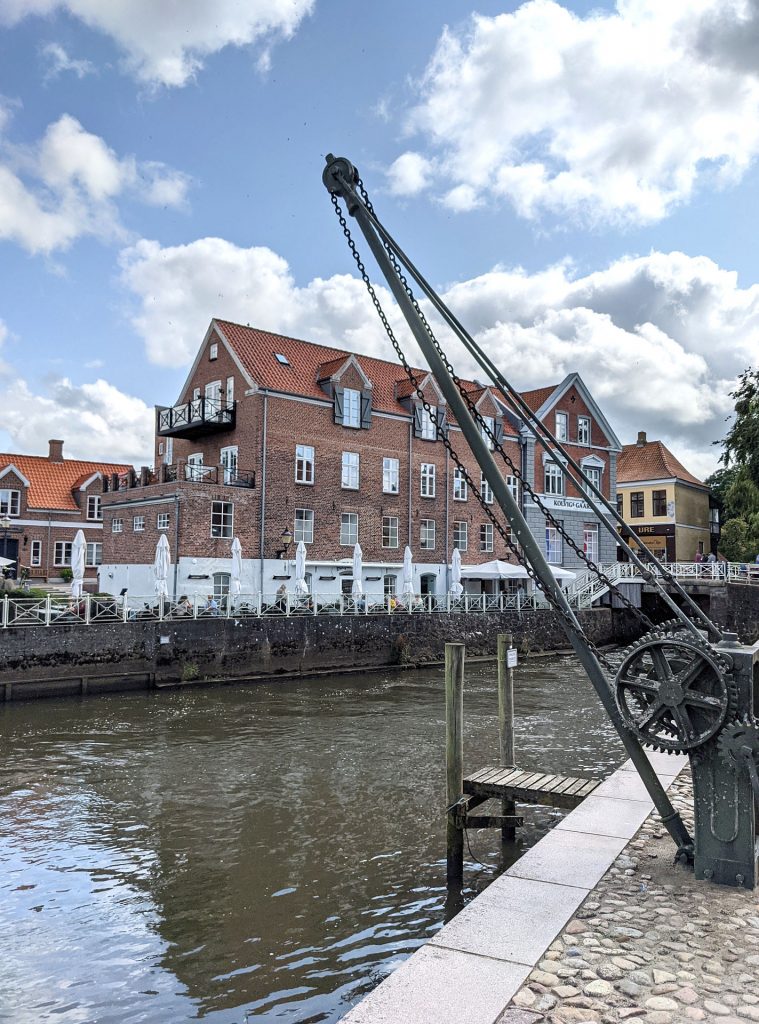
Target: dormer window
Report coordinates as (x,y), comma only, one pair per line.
(94,507)
(281,359)
(488,430)
(10,503)
(351,408)
(213,351)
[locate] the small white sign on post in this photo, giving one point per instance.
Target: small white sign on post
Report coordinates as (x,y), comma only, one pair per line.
(511,657)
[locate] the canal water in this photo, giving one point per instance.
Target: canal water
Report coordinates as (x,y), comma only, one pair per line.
(259,852)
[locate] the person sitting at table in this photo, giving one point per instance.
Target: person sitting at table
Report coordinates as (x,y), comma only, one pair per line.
(281,599)
(211,605)
(184,605)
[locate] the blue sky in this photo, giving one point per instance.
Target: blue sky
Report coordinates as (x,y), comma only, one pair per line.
(578,179)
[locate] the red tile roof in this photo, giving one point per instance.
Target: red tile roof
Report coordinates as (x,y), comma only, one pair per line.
(651,461)
(538,396)
(52,483)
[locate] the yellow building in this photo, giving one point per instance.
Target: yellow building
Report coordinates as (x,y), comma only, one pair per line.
(665,504)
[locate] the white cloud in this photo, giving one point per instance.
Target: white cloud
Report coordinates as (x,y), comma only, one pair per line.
(615,116)
(658,339)
(167,45)
(59,61)
(66,186)
(409,174)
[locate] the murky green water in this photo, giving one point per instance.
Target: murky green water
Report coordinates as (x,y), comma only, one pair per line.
(252,852)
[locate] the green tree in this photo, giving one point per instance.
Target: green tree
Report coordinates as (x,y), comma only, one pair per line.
(741,446)
(733,540)
(719,484)
(736,487)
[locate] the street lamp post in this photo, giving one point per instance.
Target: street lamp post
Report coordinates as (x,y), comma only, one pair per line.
(286,540)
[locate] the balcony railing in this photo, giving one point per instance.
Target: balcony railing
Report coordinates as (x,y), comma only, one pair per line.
(199,416)
(181,471)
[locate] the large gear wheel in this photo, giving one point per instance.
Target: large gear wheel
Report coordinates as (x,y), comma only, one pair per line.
(673,690)
(735,738)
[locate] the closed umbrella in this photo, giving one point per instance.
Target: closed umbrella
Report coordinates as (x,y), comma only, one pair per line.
(301,588)
(161,564)
(357,590)
(407,590)
(456,588)
(235,582)
(78,553)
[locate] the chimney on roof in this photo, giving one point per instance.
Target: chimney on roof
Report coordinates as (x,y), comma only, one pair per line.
(642,441)
(56,451)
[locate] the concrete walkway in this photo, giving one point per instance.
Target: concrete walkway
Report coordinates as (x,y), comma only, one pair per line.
(489,963)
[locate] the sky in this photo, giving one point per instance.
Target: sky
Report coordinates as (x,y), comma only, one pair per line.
(577,180)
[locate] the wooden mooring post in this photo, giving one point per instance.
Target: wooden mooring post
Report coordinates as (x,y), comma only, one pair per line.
(506,723)
(454,760)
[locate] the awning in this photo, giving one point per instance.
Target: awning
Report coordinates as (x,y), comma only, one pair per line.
(497,569)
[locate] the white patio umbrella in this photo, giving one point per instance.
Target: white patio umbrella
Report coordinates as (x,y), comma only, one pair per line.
(407,590)
(5,562)
(301,588)
(456,588)
(357,590)
(161,564)
(78,553)
(235,581)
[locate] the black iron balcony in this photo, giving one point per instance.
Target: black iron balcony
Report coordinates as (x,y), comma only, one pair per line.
(191,419)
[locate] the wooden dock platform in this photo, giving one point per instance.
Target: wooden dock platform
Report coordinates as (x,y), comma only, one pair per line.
(528,787)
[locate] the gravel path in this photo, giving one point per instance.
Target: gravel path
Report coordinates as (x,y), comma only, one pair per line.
(650,945)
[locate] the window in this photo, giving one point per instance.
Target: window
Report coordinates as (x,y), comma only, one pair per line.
(513,485)
(222,518)
(460,488)
(160,448)
(162,521)
(390,585)
(304,526)
(485,490)
(62,554)
(428,480)
(554,479)
(213,397)
(228,459)
(583,430)
(35,555)
(304,464)
(390,531)
(590,541)
(351,408)
(94,507)
(169,456)
(488,424)
(620,504)
(10,503)
(660,503)
(460,535)
(348,529)
(427,428)
(486,537)
(117,526)
(561,426)
(636,505)
(221,582)
(427,534)
(194,467)
(593,473)
(213,351)
(350,471)
(554,545)
(138,524)
(390,473)
(281,359)
(94,554)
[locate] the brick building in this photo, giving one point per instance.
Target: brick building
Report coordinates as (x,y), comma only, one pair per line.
(45,500)
(669,508)
(273,436)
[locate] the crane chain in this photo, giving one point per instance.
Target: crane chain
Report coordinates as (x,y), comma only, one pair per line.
(592,566)
(568,619)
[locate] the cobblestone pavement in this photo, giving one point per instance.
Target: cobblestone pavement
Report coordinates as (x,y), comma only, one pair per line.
(650,945)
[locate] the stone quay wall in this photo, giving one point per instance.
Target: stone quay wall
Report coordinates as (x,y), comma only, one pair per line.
(36,661)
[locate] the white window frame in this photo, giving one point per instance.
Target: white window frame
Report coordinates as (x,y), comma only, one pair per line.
(351,407)
(427,480)
(117,525)
(460,486)
(228,459)
(305,464)
(489,422)
(561,426)
(590,533)
(162,521)
(213,351)
(391,475)
(554,544)
(194,467)
(594,474)
(138,524)
(94,554)
(428,430)
(350,471)
(486,490)
(348,529)
(583,429)
(486,537)
(460,534)
(94,502)
(303,526)
(553,479)
(427,534)
(222,520)
(10,502)
(212,393)
(35,554)
(229,395)
(512,483)
(390,531)
(390,584)
(62,553)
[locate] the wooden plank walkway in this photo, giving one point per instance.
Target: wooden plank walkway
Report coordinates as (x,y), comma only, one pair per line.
(529,787)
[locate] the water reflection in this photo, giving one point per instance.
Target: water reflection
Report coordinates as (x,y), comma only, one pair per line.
(263,851)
